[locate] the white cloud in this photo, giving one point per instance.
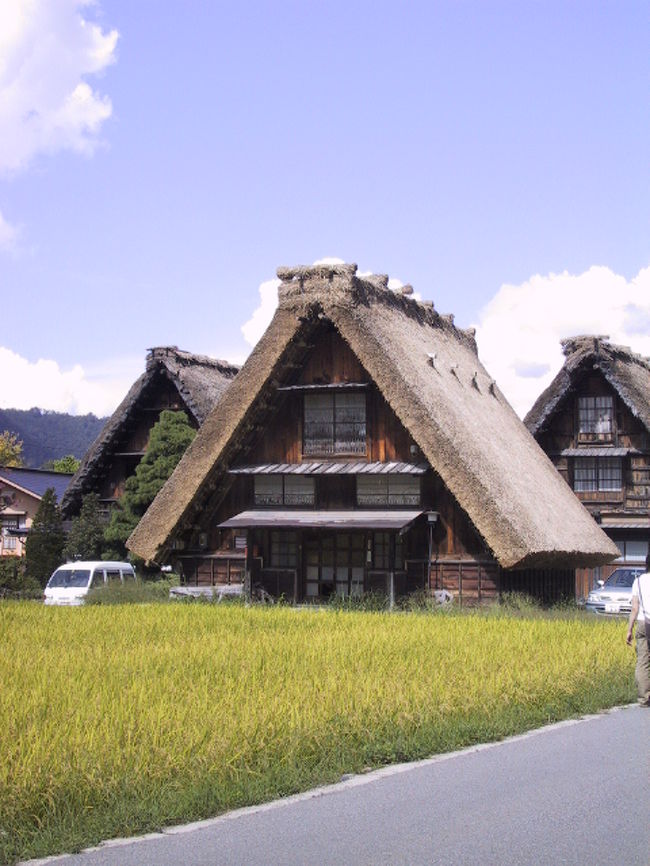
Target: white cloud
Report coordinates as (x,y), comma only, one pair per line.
(47,48)
(8,234)
(44,384)
(261,318)
(520,329)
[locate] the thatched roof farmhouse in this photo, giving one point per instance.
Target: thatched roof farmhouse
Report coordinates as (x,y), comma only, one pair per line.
(173,379)
(593,421)
(351,384)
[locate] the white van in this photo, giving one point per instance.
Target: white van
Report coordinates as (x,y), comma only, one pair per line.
(70,582)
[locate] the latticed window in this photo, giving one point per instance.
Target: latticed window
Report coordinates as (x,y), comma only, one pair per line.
(284,549)
(335,423)
(284,490)
(268,490)
(388,489)
(596,415)
(381,550)
(597,473)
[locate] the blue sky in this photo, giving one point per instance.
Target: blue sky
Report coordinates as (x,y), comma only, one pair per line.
(494,155)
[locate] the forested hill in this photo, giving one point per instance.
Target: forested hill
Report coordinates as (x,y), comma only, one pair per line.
(50,435)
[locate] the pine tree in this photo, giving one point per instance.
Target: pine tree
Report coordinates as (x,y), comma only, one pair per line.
(86,536)
(168,441)
(45,540)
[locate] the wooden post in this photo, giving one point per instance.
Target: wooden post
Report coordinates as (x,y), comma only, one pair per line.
(391,578)
(247,569)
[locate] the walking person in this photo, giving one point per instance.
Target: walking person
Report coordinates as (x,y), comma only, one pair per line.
(640,614)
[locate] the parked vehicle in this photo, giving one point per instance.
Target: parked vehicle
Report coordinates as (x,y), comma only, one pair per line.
(614,596)
(71,582)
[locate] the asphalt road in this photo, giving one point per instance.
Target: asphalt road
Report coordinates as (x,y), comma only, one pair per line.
(575,793)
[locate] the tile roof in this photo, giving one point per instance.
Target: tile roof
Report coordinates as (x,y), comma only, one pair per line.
(36,481)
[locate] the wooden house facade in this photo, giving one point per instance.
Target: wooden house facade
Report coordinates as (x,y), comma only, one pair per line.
(363,447)
(593,421)
(173,379)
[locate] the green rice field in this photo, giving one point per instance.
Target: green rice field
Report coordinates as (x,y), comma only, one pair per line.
(116,720)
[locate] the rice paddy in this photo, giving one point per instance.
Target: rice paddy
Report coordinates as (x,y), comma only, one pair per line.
(119,720)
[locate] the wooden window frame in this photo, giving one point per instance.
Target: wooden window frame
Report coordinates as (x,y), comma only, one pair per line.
(283,549)
(312,445)
(589,426)
(288,490)
(601,467)
(383,496)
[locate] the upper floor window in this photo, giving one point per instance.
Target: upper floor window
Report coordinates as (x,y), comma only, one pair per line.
(284,490)
(596,416)
(388,490)
(9,541)
(597,473)
(335,423)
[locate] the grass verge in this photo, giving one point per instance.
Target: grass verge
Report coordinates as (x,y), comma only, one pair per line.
(120,720)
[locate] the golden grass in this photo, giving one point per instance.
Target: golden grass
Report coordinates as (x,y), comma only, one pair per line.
(116,720)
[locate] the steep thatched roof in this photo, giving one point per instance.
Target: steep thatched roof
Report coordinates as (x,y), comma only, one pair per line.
(429,372)
(200,382)
(627,372)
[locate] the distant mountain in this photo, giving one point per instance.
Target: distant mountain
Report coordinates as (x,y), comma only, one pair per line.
(50,435)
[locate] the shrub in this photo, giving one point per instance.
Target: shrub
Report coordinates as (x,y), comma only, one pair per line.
(13,581)
(132,592)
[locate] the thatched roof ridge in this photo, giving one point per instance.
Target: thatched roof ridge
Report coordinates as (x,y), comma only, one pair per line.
(626,371)
(429,372)
(201,381)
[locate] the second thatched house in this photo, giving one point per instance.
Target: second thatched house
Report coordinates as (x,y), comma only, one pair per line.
(593,421)
(363,446)
(173,379)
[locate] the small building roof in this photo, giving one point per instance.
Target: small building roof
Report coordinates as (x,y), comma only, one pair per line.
(429,372)
(627,373)
(201,381)
(35,481)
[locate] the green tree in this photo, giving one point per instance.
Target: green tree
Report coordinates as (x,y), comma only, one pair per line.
(11,449)
(86,536)
(68,464)
(45,540)
(168,441)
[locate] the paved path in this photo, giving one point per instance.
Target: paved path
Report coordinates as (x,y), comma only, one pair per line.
(575,793)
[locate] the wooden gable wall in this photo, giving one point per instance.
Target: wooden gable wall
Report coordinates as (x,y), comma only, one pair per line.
(331,361)
(562,432)
(130,445)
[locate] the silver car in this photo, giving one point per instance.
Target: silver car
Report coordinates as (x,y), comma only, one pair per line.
(614,596)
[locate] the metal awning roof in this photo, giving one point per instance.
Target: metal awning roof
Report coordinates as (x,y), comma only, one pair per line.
(615,522)
(598,452)
(331,386)
(329,467)
(286,519)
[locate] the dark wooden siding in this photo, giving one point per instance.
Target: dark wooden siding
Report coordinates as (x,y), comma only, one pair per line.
(330,361)
(129,448)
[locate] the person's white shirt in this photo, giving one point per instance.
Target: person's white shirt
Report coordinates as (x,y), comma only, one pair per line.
(642,583)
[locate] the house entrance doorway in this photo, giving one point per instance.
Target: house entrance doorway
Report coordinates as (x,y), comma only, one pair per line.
(334,563)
